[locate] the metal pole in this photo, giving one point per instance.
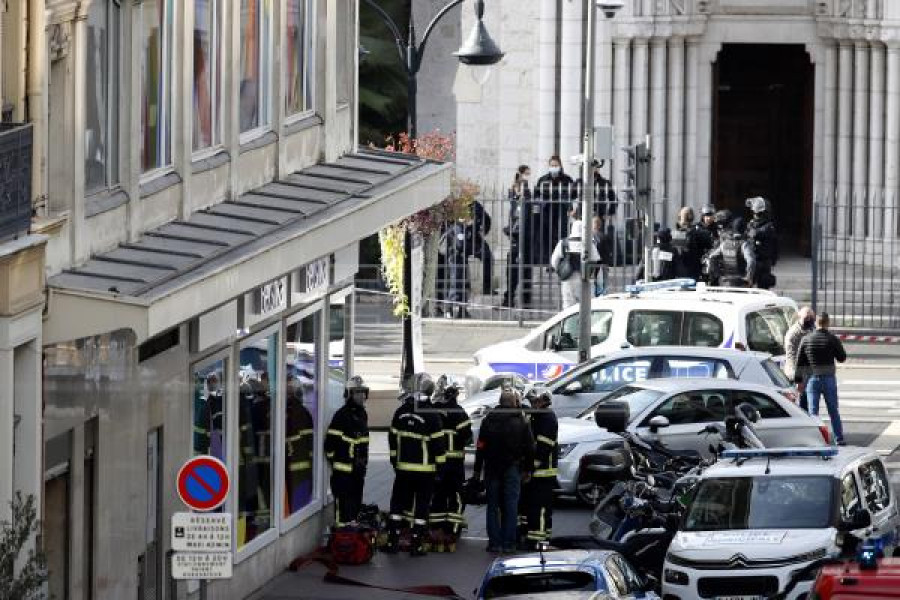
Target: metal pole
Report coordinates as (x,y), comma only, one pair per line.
(587,188)
(408,367)
(815,258)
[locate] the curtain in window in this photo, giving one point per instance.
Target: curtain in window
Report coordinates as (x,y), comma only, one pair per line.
(101,96)
(157,73)
(255,63)
(207,73)
(299,52)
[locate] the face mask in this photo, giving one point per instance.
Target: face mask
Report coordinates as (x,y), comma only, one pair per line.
(554,171)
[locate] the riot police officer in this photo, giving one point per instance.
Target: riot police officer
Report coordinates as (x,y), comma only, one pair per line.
(417,450)
(760,249)
(538,492)
(446,519)
(725,264)
(347,449)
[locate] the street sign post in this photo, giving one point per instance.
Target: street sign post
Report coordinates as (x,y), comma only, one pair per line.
(202,565)
(193,532)
(203,483)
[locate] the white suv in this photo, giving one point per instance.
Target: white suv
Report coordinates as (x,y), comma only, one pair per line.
(759,516)
(666,314)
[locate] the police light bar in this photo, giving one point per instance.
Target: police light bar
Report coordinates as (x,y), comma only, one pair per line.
(821,452)
(671,284)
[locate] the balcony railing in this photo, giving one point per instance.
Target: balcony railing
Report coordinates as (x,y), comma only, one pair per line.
(15,179)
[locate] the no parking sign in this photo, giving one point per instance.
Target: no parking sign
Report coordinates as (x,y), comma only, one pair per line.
(203,483)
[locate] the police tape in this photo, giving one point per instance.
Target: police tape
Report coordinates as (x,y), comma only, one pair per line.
(869,339)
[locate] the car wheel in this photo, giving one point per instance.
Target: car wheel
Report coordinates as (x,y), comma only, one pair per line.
(589,493)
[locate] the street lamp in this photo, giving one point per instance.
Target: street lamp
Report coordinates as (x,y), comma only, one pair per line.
(609,8)
(479,49)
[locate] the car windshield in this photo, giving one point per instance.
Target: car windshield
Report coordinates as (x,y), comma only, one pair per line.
(537,583)
(637,398)
(739,503)
(779,379)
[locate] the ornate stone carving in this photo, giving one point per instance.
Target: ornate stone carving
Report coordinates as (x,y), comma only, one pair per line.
(676,7)
(59,36)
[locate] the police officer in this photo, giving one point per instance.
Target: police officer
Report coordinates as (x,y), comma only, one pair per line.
(726,261)
(538,492)
(299,430)
(417,450)
(760,249)
(446,519)
(708,220)
(347,449)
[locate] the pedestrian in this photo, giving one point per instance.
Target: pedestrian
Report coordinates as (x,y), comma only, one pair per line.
(446,519)
(566,262)
(347,450)
(554,194)
(416,450)
(521,215)
(805,323)
(818,352)
(505,454)
(539,491)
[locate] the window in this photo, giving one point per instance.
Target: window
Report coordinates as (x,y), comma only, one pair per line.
(849,497)
(875,486)
(207,73)
(693,407)
(638,400)
(776,374)
(299,58)
(156,76)
(654,328)
(101,129)
(346,57)
(301,410)
(528,584)
(210,382)
(256,401)
(338,334)
(766,330)
(565,335)
(702,329)
(690,368)
(255,75)
(767,407)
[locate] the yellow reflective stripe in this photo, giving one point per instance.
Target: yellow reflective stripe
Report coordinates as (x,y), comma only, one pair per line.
(336,432)
(199,429)
(456,455)
(301,466)
(545,473)
(441,459)
(299,436)
(415,436)
(546,440)
(393,453)
(329,455)
(343,467)
(464,424)
(435,436)
(404,466)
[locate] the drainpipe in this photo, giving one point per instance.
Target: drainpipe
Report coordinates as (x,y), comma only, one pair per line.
(36,69)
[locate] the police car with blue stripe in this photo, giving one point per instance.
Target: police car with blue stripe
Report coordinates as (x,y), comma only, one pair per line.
(669,313)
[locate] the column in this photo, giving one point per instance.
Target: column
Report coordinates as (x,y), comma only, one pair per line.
(546,83)
(892,142)
(603,83)
(860,136)
(828,73)
(876,142)
(570,81)
(639,72)
(704,120)
(675,127)
(7,416)
(691,64)
(658,127)
(621,104)
(845,134)
(78,241)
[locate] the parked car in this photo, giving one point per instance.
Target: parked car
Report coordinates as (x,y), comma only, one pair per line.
(672,316)
(564,574)
(761,516)
(680,408)
(582,387)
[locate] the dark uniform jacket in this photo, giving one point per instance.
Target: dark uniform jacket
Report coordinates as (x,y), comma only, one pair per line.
(299,436)
(347,440)
(416,439)
(504,440)
(553,198)
(457,431)
(765,239)
(545,429)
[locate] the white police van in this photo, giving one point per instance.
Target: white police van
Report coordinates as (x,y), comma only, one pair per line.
(757,517)
(669,313)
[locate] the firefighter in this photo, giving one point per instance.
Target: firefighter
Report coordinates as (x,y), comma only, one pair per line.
(538,492)
(299,431)
(416,451)
(347,449)
(446,519)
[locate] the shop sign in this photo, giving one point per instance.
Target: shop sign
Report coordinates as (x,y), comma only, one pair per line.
(272,297)
(202,565)
(312,280)
(193,532)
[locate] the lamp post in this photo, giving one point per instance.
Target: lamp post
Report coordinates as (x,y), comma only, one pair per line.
(479,49)
(609,8)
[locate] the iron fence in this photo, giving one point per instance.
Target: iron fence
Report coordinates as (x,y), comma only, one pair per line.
(856,261)
(15,179)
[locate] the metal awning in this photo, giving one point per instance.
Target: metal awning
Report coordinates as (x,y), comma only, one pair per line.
(188,267)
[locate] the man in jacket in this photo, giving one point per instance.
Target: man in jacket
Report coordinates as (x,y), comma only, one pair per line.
(806,322)
(446,519)
(553,195)
(417,450)
(505,450)
(818,351)
(347,449)
(538,493)
(605,202)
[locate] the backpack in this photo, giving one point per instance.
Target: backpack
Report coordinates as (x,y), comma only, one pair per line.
(570,264)
(352,545)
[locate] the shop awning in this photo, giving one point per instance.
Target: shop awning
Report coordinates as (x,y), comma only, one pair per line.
(186,268)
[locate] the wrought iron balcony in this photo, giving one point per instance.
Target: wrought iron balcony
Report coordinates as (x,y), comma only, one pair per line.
(15,179)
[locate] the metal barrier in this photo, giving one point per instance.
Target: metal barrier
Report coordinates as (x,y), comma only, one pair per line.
(855,266)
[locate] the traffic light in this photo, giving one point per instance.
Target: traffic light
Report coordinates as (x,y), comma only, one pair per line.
(637,187)
(628,192)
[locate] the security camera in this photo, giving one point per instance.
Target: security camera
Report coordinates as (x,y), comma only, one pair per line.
(610,7)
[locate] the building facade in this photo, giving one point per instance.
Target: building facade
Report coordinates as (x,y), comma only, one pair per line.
(181,279)
(791,99)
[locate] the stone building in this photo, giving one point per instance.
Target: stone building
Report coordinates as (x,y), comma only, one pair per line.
(791,99)
(185,283)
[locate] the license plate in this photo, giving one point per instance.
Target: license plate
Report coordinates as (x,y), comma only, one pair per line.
(740,598)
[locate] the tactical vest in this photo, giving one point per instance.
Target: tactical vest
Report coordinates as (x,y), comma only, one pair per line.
(732,256)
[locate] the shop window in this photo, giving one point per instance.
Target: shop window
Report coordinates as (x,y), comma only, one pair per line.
(101,133)
(299,56)
(256,402)
(156,81)
(207,73)
(302,408)
(338,334)
(256,64)
(210,381)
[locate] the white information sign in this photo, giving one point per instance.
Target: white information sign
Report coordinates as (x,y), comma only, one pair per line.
(202,565)
(742,538)
(201,532)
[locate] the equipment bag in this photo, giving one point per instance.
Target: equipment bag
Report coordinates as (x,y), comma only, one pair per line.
(570,263)
(352,545)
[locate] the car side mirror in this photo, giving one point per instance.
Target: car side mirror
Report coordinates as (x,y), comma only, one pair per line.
(860,519)
(658,422)
(573,388)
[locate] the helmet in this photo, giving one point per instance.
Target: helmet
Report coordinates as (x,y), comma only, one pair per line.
(708,210)
(664,236)
(356,388)
(724,218)
(757,204)
(538,393)
(423,384)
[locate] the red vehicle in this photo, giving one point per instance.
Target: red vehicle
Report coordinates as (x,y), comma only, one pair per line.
(849,581)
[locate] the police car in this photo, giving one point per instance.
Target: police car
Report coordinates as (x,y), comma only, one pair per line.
(760,516)
(670,313)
